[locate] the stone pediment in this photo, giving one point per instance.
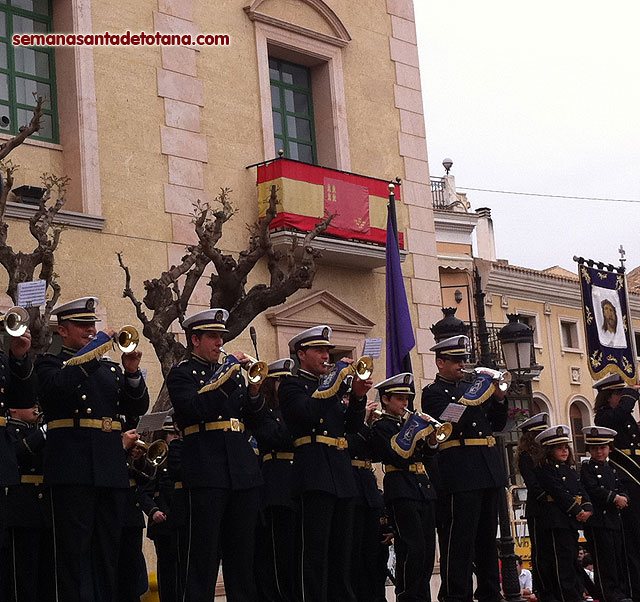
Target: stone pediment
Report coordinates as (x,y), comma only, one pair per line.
(312,18)
(321,307)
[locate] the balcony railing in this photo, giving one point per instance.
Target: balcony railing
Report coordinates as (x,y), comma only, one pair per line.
(437,193)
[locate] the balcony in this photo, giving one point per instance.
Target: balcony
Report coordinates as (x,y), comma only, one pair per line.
(307,193)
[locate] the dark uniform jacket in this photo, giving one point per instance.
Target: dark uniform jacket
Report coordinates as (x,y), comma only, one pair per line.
(360,449)
(17,390)
(621,419)
(27,503)
(401,483)
(320,467)
(98,390)
(273,437)
(471,467)
(536,495)
(214,458)
(600,480)
(566,494)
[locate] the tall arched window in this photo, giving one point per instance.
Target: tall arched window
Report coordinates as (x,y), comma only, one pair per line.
(579,417)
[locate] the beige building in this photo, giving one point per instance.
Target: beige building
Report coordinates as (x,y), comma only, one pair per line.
(146,131)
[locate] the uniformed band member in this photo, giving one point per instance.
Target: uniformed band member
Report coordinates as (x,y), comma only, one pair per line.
(472,476)
(221,474)
(275,536)
(323,481)
(166,517)
(408,492)
(17,390)
(614,406)
(132,568)
(30,544)
(528,455)
(370,552)
(603,530)
(84,462)
(568,508)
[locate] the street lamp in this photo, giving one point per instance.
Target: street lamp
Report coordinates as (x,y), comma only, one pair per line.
(447,164)
(516,340)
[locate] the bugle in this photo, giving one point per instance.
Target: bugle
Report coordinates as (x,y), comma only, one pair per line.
(16,321)
(155,455)
(362,368)
(257,370)
(126,339)
(502,377)
(442,430)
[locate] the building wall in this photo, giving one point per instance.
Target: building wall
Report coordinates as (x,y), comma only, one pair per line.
(168,126)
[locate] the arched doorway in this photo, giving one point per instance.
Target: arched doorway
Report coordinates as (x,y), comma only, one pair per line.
(579,417)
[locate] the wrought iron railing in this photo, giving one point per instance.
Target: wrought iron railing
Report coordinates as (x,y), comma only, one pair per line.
(437,193)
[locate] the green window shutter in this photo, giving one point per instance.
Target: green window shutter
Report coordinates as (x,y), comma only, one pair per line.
(292,109)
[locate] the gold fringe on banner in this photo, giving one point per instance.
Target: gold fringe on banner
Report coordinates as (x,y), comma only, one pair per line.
(326,393)
(221,380)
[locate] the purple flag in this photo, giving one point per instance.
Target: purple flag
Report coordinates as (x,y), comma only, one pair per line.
(400,339)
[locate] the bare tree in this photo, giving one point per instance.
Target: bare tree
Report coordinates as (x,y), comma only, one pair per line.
(20,266)
(167,298)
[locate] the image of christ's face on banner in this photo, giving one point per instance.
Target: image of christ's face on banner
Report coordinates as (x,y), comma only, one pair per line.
(609,317)
(608,314)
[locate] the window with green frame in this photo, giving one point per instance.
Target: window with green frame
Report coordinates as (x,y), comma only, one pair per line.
(292,106)
(27,69)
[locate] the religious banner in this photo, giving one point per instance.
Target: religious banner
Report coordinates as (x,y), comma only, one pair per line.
(607,321)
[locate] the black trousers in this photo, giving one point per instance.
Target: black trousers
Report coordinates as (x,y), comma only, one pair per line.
(369,556)
(541,560)
(610,563)
(324,540)
(566,585)
(415,547)
(167,553)
(468,543)
(130,565)
(221,525)
(86,529)
(631,526)
(275,559)
(31,577)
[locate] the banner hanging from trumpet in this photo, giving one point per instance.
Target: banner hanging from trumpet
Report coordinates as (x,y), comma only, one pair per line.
(607,322)
(126,340)
(418,426)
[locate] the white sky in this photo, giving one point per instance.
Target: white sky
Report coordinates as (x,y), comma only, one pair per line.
(538,97)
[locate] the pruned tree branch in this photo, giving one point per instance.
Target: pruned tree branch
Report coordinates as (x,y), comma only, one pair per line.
(26,130)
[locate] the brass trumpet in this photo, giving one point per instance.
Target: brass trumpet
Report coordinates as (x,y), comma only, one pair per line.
(156,454)
(127,339)
(16,321)
(502,377)
(443,430)
(362,367)
(257,370)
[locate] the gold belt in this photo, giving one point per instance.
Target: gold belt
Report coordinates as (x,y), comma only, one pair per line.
(489,441)
(630,452)
(105,424)
(177,485)
(3,421)
(233,424)
(278,456)
(361,463)
(418,468)
(34,479)
(339,442)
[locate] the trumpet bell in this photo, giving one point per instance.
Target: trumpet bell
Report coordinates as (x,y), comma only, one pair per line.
(257,372)
(443,432)
(364,367)
(16,321)
(127,339)
(157,452)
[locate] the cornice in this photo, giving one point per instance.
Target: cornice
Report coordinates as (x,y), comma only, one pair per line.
(341,38)
(63,217)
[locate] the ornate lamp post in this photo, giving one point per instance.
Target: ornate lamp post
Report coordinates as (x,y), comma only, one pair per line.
(516,340)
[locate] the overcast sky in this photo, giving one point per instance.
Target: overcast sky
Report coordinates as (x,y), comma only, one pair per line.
(538,97)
